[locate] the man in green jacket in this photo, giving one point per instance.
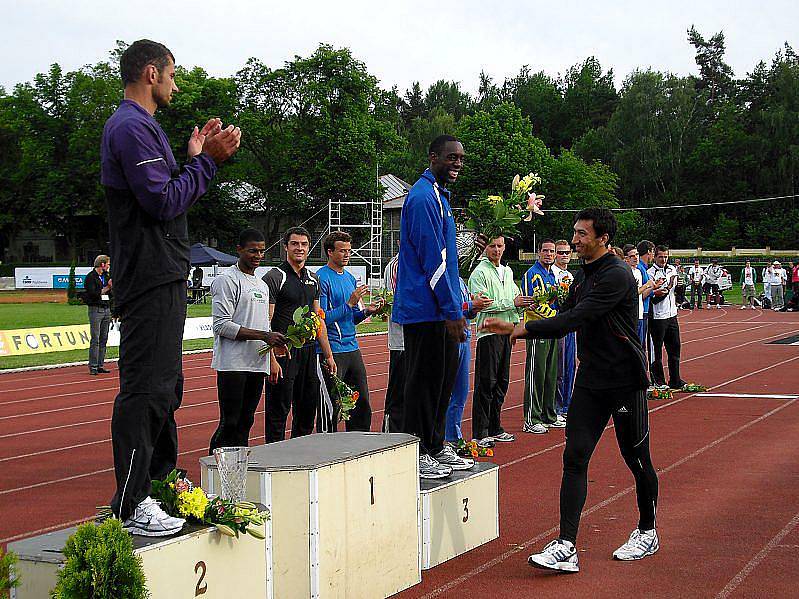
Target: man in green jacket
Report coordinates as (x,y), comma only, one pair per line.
(492,364)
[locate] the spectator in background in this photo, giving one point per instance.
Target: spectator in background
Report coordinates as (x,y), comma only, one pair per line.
(748,281)
(644,289)
(97,294)
(712,275)
(795,279)
(766,281)
(777,277)
(696,276)
(541,364)
(197,283)
(392,414)
(665,326)
(339,297)
(240,314)
(646,251)
(567,346)
(492,364)
(682,284)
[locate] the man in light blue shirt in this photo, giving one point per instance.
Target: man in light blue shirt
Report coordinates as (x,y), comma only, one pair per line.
(339,297)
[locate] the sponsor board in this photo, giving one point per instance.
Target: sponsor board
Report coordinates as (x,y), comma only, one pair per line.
(42,340)
(56,277)
(62,281)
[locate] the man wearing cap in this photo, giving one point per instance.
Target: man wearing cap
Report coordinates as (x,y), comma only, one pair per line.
(776,278)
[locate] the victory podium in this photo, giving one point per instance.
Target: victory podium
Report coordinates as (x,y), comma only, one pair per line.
(344,518)
(197,562)
(458,513)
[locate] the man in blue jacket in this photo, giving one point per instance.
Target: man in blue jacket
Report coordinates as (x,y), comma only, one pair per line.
(147,195)
(339,297)
(428,305)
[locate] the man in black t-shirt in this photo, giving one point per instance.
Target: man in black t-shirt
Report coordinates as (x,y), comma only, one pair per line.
(611,382)
(294,380)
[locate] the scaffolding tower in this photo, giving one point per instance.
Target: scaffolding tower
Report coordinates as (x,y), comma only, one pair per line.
(342,216)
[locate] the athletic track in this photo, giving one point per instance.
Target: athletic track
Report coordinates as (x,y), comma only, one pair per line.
(729,470)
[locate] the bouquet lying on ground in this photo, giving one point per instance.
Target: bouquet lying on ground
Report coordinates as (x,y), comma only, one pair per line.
(179,497)
(384,312)
(306,327)
(344,397)
(693,388)
(495,215)
(470,449)
(660,393)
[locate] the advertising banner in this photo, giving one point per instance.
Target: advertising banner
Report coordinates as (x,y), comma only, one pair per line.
(42,340)
(56,277)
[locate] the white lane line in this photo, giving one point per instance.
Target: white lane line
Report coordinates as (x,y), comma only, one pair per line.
(758,559)
(749,395)
(586,512)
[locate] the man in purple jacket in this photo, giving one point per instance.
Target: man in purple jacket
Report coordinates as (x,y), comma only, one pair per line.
(148,195)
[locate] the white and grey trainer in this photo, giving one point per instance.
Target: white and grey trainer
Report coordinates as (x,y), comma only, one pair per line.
(448,457)
(557,555)
(149,520)
(430,468)
(640,544)
(503,437)
(538,428)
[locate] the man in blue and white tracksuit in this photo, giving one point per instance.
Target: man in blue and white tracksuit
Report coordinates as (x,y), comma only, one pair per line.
(428,306)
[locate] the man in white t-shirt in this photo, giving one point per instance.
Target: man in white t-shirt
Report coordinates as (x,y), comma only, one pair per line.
(644,289)
(696,277)
(664,328)
(748,280)
(712,275)
(240,313)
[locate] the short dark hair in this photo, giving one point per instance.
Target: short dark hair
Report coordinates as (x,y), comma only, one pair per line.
(330,241)
(628,247)
(547,240)
(661,248)
(437,145)
(295,231)
(138,55)
(601,219)
(645,246)
(248,235)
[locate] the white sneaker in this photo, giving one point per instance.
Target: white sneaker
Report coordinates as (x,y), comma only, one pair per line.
(503,437)
(640,544)
(561,418)
(448,457)
(430,468)
(560,422)
(537,429)
(743,307)
(149,520)
(558,555)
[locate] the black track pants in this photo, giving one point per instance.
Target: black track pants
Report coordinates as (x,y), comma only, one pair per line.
(588,415)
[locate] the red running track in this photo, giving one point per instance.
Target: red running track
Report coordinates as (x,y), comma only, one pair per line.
(728,512)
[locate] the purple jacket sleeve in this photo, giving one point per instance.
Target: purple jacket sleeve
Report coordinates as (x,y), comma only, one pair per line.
(145,165)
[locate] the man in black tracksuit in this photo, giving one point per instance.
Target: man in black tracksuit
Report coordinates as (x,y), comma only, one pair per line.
(611,381)
(147,195)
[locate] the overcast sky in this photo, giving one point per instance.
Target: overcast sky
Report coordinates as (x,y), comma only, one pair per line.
(400,42)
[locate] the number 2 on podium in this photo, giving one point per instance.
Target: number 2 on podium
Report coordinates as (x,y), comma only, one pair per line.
(201,587)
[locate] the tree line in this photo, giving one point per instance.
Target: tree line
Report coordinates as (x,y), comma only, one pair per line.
(321,127)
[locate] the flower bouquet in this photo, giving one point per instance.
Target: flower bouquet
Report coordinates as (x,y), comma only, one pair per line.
(470,449)
(179,497)
(305,328)
(345,398)
(692,388)
(384,312)
(495,215)
(659,393)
